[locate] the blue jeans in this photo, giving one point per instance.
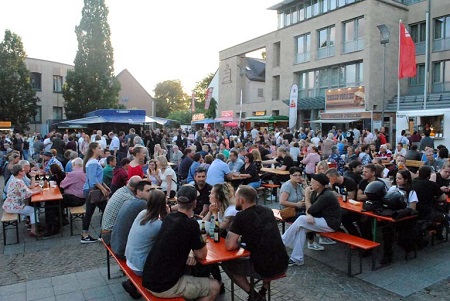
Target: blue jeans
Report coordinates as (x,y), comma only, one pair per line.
(255,184)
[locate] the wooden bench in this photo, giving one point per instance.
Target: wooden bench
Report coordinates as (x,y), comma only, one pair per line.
(271,187)
(433,232)
(10,221)
(135,279)
(414,163)
(75,213)
(254,282)
(353,242)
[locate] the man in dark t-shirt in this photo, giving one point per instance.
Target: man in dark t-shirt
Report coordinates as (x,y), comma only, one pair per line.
(164,270)
(258,230)
(342,185)
(204,190)
(185,164)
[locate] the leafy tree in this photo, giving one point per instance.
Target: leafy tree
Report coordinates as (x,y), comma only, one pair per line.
(200,92)
(17,97)
(183,117)
(92,84)
(169,97)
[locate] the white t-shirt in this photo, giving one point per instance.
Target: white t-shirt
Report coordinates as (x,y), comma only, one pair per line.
(163,176)
(412,195)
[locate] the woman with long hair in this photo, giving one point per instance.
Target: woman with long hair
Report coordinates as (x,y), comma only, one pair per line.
(152,172)
(166,177)
(144,230)
(94,178)
(221,205)
(135,166)
(310,161)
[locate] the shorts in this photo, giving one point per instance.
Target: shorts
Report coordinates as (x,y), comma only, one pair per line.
(242,267)
(188,287)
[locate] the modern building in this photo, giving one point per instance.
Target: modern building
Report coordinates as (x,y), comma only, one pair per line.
(333,51)
(47,79)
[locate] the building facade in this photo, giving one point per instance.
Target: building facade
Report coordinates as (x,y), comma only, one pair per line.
(47,79)
(332,50)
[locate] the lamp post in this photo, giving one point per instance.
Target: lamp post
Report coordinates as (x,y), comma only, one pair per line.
(385,34)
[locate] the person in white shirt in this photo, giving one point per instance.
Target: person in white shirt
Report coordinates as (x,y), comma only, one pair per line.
(115,144)
(399,150)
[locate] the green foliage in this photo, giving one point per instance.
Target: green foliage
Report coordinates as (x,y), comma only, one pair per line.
(169,97)
(200,92)
(211,112)
(17,98)
(92,84)
(183,117)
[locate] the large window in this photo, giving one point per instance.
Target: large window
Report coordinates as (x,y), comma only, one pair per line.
(441,76)
(36,82)
(38,117)
(316,82)
(441,33)
(418,35)
(57,113)
(276,54)
(57,83)
(303,48)
(354,35)
(276,87)
(416,83)
(326,39)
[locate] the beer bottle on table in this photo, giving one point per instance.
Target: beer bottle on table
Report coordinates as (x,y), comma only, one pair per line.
(216,232)
(203,231)
(344,194)
(211,226)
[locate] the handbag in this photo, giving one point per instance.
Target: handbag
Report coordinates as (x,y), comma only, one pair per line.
(95,195)
(287,212)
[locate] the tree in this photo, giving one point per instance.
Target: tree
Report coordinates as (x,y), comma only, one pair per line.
(17,97)
(183,117)
(92,84)
(169,97)
(200,92)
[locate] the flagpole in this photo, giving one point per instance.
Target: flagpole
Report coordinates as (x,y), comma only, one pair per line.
(398,69)
(425,86)
(240,110)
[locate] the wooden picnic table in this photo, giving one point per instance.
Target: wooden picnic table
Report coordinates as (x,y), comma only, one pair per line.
(217,252)
(52,194)
(275,171)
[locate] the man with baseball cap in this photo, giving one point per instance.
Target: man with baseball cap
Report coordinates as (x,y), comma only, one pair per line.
(164,271)
(324,215)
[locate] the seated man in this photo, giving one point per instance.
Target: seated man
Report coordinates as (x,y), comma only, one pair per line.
(114,204)
(218,171)
(342,185)
(324,215)
(72,184)
(256,226)
(164,270)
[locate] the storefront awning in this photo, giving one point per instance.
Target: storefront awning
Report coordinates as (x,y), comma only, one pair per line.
(333,121)
(205,121)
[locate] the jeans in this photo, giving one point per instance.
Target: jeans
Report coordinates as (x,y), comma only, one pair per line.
(255,184)
(90,209)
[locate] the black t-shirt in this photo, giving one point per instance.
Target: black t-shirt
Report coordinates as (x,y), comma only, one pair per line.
(348,184)
(166,262)
(288,137)
(251,170)
(363,184)
(326,205)
(203,198)
(350,174)
(440,181)
(183,169)
(350,136)
(427,192)
(260,233)
(287,160)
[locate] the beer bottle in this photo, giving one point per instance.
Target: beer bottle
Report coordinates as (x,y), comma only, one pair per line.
(203,231)
(344,194)
(211,226)
(216,232)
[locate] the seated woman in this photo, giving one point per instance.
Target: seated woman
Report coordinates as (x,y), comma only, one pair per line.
(220,205)
(17,195)
(120,175)
(144,230)
(152,171)
(249,172)
(292,195)
(166,177)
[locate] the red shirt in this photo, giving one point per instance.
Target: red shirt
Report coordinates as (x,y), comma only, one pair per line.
(135,171)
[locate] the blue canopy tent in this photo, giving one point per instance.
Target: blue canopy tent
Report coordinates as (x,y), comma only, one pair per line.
(205,121)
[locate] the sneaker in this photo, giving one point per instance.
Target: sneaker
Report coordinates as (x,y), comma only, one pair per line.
(131,289)
(271,198)
(88,239)
(326,241)
(315,246)
(292,263)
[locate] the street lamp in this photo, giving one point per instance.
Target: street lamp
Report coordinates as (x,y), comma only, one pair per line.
(385,34)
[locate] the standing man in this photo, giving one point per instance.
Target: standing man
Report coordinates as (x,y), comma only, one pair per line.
(164,271)
(256,226)
(115,144)
(185,164)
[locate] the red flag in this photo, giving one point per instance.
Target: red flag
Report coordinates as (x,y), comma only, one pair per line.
(407,57)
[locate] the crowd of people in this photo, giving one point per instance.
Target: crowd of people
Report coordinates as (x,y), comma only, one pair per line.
(209,175)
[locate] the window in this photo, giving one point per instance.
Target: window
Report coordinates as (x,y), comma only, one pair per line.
(441,33)
(354,35)
(38,117)
(418,34)
(326,38)
(303,48)
(416,83)
(287,18)
(57,83)
(35,78)
(57,113)
(260,92)
(276,87)
(276,54)
(441,76)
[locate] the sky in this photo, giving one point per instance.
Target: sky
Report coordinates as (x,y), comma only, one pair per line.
(154,40)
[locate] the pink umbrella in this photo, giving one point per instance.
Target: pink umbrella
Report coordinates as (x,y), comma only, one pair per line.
(230,124)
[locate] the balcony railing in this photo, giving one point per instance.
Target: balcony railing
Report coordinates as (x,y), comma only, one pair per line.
(325,52)
(355,45)
(441,44)
(302,57)
(440,87)
(420,48)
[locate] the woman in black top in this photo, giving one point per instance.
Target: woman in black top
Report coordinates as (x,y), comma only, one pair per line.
(249,172)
